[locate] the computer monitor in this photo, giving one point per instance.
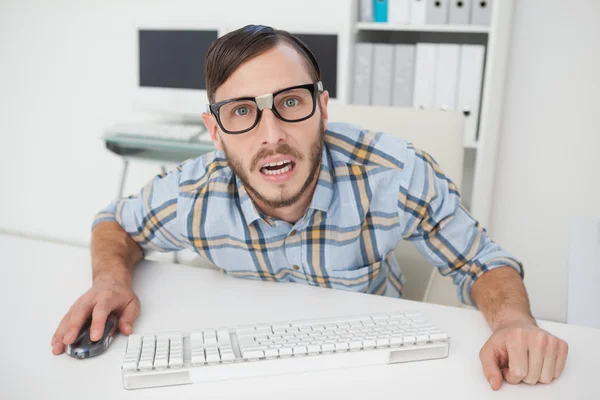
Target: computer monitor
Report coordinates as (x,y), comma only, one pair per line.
(171,70)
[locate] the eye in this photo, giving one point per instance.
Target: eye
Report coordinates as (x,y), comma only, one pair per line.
(291,102)
(241,111)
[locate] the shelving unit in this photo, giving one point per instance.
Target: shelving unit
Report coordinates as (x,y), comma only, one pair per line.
(379,26)
(480,156)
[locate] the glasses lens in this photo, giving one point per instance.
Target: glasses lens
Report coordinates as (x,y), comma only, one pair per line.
(294,104)
(238,115)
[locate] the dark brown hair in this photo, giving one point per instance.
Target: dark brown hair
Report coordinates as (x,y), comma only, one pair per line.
(228,52)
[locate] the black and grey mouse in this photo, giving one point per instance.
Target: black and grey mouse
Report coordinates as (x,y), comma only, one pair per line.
(84,347)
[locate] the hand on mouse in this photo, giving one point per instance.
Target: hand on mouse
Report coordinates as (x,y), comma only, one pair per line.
(105,296)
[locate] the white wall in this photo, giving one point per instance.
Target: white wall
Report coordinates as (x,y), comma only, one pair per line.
(67,72)
(549,156)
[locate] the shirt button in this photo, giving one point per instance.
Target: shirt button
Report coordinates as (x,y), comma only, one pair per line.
(292,233)
(296,267)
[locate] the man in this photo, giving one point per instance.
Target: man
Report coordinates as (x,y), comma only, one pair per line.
(288,198)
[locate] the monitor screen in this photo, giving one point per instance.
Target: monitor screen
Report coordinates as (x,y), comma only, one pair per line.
(173,58)
(325,49)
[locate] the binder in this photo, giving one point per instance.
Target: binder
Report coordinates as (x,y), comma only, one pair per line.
(470,80)
(425,62)
(404,73)
(481,12)
(366,10)
(381,82)
(446,76)
(380,10)
(363,62)
(460,12)
(418,11)
(437,12)
(399,11)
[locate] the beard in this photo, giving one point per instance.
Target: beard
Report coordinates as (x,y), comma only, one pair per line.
(283,199)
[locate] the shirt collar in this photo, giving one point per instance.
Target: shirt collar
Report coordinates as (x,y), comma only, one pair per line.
(321,197)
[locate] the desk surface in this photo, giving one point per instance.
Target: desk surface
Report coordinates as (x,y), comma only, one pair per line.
(41,281)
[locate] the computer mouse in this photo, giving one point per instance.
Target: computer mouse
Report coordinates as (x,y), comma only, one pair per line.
(84,347)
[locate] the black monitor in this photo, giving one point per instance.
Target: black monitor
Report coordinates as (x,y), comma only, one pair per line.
(173,58)
(325,49)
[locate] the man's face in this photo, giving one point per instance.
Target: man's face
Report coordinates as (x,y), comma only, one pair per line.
(253,155)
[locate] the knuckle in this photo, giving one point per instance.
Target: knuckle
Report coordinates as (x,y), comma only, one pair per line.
(541,339)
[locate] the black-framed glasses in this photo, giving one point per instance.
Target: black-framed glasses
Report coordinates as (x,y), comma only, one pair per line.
(293,104)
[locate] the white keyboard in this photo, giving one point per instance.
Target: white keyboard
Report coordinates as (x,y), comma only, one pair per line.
(162,131)
(205,355)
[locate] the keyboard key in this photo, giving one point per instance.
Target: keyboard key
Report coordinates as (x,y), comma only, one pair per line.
(300,350)
(271,353)
(227,356)
(134,342)
(253,353)
(438,335)
(285,351)
(341,346)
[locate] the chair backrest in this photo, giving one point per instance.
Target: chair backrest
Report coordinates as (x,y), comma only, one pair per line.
(440,133)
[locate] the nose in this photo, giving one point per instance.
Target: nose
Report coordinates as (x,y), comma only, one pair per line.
(269,128)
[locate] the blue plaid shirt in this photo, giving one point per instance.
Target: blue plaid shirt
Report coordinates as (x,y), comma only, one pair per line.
(374,190)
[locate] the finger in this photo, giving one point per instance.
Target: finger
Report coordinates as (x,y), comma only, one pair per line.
(99,315)
(561,357)
(537,347)
(80,313)
(517,361)
(57,339)
(549,364)
(128,316)
(489,362)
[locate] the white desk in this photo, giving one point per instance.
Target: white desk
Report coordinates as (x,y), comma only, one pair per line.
(41,281)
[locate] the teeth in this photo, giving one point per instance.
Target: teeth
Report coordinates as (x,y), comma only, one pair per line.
(277,163)
(278,172)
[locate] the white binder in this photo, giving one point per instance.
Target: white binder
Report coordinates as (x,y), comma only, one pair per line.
(425,67)
(446,77)
(363,62)
(381,83)
(366,10)
(404,75)
(399,12)
(437,12)
(482,12)
(460,12)
(418,12)
(470,80)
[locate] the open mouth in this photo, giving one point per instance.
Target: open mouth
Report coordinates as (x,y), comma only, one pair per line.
(278,168)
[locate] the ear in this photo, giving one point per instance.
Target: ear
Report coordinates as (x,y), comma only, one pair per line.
(213,129)
(324,98)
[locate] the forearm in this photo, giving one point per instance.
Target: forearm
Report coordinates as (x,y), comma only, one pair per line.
(114,253)
(501,296)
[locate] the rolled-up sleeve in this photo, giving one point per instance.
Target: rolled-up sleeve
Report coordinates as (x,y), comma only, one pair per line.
(433,219)
(150,216)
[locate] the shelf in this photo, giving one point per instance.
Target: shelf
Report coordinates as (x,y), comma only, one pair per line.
(384,26)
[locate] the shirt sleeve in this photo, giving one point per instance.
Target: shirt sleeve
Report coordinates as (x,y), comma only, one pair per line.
(433,219)
(150,216)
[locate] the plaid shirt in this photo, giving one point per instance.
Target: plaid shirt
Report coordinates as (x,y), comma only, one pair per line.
(374,190)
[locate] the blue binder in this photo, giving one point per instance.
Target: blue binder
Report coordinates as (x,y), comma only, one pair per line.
(380,10)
